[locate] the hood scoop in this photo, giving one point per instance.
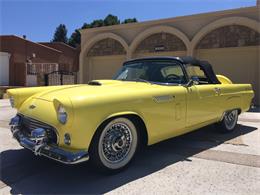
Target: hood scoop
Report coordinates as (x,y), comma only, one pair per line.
(96,83)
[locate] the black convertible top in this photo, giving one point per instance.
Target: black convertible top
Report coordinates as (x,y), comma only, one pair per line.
(204,65)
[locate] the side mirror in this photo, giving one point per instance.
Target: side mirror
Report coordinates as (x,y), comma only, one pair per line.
(190,83)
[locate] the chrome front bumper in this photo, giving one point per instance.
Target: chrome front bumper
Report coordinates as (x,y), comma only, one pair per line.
(38,144)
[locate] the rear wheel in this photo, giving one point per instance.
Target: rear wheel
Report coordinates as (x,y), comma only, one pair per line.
(114,145)
(229,121)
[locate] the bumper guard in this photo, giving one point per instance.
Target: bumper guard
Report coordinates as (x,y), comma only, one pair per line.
(38,144)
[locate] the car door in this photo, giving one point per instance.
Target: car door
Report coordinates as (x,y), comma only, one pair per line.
(169,102)
(168,112)
(202,98)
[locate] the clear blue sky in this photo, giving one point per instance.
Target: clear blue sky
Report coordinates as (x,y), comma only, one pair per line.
(38,19)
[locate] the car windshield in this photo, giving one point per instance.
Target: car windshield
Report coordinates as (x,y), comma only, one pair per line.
(153,71)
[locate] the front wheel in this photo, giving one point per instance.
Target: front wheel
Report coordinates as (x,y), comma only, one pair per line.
(229,121)
(114,145)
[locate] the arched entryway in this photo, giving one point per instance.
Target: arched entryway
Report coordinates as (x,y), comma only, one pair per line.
(102,57)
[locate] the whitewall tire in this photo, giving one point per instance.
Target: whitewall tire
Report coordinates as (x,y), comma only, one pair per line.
(115,144)
(229,121)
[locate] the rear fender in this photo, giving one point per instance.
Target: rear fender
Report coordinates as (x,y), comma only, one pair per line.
(224,79)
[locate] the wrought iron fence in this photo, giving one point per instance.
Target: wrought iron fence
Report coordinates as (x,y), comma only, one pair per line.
(60,78)
(41,68)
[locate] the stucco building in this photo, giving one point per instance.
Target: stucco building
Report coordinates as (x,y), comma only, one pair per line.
(229,40)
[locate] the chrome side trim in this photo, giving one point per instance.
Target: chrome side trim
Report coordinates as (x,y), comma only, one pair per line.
(163,98)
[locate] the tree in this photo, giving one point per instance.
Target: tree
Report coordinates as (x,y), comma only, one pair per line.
(75,39)
(97,23)
(86,25)
(129,20)
(60,34)
(111,20)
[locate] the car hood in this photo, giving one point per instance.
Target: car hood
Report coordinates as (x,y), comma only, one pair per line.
(99,88)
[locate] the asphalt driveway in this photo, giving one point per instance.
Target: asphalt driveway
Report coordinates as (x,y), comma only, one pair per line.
(202,162)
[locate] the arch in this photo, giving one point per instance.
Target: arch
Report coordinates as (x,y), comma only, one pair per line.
(229,36)
(155,30)
(92,42)
(102,36)
(169,42)
(106,47)
(243,21)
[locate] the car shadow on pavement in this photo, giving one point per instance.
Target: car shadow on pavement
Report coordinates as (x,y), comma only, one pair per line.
(26,173)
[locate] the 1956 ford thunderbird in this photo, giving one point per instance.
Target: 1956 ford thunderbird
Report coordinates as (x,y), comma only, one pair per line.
(106,121)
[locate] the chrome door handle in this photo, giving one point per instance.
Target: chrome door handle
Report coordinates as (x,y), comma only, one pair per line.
(217,90)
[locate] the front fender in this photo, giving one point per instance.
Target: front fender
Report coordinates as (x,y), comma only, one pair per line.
(113,115)
(22,94)
(117,114)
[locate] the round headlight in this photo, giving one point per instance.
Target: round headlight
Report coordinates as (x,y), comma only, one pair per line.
(12,101)
(62,114)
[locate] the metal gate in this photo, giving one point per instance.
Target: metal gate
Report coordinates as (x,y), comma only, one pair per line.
(35,72)
(60,78)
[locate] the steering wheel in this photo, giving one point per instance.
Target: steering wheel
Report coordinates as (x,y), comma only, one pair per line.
(172,77)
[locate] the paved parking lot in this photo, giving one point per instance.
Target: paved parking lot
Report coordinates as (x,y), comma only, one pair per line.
(202,162)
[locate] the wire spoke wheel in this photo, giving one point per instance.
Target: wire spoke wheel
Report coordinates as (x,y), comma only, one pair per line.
(230,119)
(117,143)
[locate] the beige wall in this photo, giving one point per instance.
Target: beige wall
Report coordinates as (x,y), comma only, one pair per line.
(241,64)
(188,24)
(105,67)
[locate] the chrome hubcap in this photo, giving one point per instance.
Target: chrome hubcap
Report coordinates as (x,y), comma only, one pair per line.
(116,142)
(230,119)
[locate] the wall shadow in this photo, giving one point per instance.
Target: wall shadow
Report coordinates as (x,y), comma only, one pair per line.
(26,173)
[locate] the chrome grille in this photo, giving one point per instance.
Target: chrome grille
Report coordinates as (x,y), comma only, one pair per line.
(28,124)
(32,124)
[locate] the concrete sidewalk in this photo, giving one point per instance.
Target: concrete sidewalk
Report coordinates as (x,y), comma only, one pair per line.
(4,103)
(250,117)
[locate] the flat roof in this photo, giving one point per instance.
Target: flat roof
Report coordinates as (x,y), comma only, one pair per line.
(173,19)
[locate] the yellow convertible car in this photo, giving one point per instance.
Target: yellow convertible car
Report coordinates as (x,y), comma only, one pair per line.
(106,121)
